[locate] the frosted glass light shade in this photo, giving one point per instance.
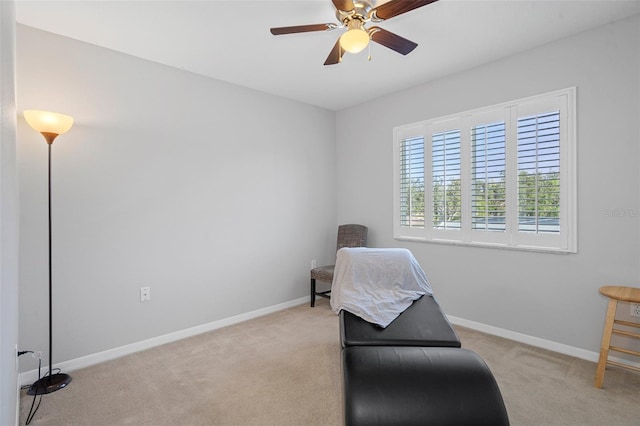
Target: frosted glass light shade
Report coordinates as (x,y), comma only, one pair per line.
(48,122)
(356,39)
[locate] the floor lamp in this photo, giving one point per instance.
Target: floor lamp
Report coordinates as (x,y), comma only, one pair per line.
(50,125)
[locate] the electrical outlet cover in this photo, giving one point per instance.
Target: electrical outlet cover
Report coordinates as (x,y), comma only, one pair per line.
(635,309)
(145,294)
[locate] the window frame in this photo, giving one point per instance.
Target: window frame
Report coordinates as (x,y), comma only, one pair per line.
(565,241)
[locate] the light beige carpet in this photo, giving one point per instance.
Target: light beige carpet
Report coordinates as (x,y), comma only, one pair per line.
(284,369)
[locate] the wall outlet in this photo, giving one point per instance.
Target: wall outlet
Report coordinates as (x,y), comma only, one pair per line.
(313,264)
(145,294)
(635,309)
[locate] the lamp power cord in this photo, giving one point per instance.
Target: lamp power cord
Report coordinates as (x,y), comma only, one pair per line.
(32,410)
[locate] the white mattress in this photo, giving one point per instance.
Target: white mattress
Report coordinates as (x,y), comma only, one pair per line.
(377,284)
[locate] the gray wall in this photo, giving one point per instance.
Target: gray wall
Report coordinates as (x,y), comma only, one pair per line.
(218,196)
(548,296)
(8,217)
(214,195)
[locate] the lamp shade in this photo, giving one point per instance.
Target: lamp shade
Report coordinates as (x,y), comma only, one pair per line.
(355,39)
(48,122)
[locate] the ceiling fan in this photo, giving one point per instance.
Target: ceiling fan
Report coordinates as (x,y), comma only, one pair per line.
(353,15)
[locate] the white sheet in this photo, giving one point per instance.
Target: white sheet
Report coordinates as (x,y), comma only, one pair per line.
(377,284)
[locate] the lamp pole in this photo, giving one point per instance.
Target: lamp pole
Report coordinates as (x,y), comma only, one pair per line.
(50,264)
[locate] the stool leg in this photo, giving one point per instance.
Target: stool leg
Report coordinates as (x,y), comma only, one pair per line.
(313,292)
(606,341)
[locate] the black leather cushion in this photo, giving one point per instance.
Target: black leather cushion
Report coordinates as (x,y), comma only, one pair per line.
(386,385)
(421,324)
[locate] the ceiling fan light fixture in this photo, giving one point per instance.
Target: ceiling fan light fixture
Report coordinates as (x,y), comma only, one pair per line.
(354,14)
(355,39)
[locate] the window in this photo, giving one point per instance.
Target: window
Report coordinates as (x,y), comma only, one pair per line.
(500,176)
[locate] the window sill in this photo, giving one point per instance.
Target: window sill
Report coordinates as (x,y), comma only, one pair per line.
(552,250)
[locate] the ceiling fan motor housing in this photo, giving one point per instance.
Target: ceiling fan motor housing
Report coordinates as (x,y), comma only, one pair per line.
(361,11)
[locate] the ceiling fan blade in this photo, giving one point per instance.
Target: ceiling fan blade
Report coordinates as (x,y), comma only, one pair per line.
(397,7)
(391,40)
(344,5)
(302,29)
(336,54)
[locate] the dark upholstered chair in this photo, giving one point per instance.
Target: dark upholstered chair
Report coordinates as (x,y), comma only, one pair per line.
(348,236)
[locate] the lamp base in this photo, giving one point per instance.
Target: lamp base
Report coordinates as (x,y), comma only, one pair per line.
(49,384)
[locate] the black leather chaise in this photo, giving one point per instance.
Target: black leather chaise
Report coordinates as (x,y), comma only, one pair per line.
(421,324)
(402,361)
(410,385)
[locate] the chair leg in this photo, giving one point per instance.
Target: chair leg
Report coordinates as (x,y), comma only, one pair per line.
(606,341)
(313,292)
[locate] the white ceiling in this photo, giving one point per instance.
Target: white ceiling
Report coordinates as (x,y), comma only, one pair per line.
(230,40)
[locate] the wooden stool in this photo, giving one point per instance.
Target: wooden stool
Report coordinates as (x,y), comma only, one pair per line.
(615,295)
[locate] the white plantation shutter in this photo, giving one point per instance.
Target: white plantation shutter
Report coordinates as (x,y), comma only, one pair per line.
(538,173)
(445,165)
(500,176)
(488,174)
(412,182)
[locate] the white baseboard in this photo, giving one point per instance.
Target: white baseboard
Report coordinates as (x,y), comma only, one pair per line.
(29,377)
(536,341)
